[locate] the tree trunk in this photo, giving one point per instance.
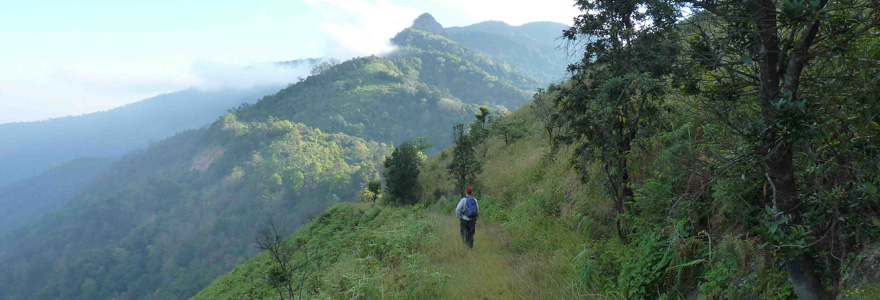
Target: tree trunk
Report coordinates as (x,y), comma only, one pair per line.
(624,190)
(778,153)
(802,267)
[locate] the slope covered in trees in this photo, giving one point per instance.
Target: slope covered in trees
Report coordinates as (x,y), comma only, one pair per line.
(428,84)
(534,49)
(23,202)
(162,222)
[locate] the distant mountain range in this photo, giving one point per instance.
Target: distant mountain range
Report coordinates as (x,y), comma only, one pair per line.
(535,49)
(29,148)
(26,149)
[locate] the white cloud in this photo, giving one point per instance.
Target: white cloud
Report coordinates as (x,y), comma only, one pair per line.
(219,75)
(56,89)
(513,12)
(355,28)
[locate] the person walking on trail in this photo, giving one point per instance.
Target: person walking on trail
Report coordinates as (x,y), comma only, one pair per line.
(467,212)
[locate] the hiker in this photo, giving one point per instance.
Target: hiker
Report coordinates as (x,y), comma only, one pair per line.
(467,212)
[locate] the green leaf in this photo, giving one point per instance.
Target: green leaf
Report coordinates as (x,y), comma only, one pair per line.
(870,187)
(688,264)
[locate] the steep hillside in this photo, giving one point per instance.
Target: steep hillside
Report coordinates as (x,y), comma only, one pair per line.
(349,251)
(467,74)
(26,149)
(535,49)
(23,202)
(162,222)
(422,89)
(371,97)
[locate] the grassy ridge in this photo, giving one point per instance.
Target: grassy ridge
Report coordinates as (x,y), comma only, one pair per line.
(526,241)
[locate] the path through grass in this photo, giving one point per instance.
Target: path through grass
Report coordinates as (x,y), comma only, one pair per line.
(490,270)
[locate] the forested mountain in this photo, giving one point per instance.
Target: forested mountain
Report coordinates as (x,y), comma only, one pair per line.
(163,222)
(23,202)
(28,148)
(535,49)
(421,89)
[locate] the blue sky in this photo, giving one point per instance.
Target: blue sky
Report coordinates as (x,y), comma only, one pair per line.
(62,58)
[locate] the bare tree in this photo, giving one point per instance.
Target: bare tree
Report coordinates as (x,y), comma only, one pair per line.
(282,276)
(324,66)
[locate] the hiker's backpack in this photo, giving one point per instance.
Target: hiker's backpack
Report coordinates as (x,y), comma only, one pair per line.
(470,208)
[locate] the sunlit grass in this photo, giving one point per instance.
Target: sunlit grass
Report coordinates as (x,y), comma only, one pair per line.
(491,270)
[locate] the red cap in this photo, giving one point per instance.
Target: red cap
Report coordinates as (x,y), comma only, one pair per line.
(469,190)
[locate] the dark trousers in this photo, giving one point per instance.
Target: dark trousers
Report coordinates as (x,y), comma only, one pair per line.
(467,229)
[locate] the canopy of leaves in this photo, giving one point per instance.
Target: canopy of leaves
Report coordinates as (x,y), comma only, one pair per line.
(402,174)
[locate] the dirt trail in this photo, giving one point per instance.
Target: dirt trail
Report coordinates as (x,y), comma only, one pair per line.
(484,272)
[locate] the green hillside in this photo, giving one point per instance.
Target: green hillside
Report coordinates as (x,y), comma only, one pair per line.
(162,222)
(376,250)
(428,84)
(370,97)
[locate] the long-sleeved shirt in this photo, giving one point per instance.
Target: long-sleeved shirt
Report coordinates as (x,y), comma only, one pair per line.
(460,208)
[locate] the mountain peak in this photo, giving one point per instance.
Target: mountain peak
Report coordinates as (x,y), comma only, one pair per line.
(426,23)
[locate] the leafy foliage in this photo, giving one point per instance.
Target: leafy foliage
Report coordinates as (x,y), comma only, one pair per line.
(616,92)
(749,82)
(464,166)
(402,172)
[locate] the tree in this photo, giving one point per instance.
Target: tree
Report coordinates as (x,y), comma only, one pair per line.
(374,186)
(464,166)
(788,77)
(324,66)
(508,128)
(478,128)
(766,70)
(546,110)
(402,170)
(483,115)
(282,273)
(616,91)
